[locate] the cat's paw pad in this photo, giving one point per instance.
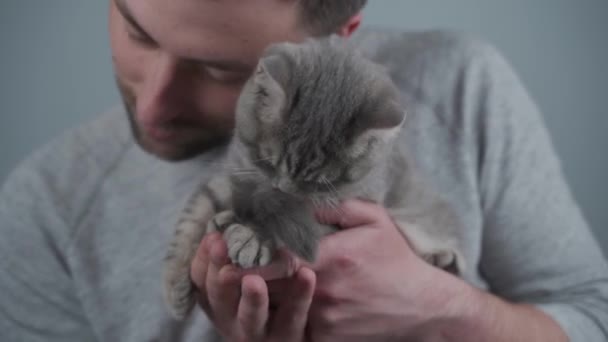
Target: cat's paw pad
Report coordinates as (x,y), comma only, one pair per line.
(244,247)
(447,260)
(221,221)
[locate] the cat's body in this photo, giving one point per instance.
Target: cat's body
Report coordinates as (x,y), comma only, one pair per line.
(315,124)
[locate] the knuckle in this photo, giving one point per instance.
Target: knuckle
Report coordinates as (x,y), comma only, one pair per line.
(327,319)
(245,324)
(326,296)
(225,278)
(345,262)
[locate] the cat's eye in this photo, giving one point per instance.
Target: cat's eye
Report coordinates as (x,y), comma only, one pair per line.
(266,166)
(315,186)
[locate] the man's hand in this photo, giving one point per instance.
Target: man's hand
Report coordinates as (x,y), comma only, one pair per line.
(370,284)
(238,303)
(372,287)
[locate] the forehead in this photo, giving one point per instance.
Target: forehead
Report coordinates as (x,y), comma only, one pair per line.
(214,28)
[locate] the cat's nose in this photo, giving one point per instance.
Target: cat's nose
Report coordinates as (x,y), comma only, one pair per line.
(282,184)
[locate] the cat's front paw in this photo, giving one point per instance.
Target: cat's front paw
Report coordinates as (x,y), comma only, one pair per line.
(448,260)
(244,246)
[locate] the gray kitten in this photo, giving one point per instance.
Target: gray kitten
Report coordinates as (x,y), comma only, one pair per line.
(315,124)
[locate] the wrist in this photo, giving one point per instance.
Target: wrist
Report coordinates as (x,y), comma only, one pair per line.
(475,315)
(469,309)
(454,306)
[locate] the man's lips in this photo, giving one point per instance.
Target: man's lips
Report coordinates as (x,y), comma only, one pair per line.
(163,134)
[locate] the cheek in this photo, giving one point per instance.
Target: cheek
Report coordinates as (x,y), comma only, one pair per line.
(216,99)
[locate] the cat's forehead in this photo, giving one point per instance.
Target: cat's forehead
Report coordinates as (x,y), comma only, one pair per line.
(323,94)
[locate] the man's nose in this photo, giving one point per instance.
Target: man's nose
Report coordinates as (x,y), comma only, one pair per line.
(163,92)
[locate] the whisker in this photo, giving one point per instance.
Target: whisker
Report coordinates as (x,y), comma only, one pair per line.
(334,203)
(332,189)
(315,202)
(261,159)
(243,173)
(244,169)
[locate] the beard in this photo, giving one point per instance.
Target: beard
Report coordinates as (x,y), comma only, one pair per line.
(191,138)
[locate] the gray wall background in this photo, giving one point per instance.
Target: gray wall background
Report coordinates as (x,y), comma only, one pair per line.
(55,72)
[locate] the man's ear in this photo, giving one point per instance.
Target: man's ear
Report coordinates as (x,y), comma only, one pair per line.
(350,26)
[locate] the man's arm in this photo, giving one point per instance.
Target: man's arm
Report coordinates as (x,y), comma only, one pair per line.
(474,315)
(406,299)
(38,301)
(536,247)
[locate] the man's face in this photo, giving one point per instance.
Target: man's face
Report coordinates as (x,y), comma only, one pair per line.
(180,65)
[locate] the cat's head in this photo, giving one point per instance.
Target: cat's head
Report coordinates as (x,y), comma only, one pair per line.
(316,117)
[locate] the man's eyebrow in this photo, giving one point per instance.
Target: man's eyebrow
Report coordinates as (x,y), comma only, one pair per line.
(126,13)
(233,65)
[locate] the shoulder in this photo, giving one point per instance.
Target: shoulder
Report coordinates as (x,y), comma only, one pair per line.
(55,183)
(433,64)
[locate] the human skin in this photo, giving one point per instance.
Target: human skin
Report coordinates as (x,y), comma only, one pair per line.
(355,299)
(180,66)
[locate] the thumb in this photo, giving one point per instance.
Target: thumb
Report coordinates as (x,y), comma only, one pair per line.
(351,213)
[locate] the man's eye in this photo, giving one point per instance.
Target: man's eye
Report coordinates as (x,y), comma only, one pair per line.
(140,39)
(227,76)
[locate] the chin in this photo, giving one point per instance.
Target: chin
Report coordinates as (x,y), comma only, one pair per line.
(168,154)
(177,153)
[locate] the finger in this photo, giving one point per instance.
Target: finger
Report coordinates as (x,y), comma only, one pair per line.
(284,265)
(222,283)
(200,262)
(278,286)
(351,213)
(291,316)
(253,307)
(278,290)
(198,269)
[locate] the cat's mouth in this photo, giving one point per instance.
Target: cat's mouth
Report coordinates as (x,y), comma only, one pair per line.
(316,196)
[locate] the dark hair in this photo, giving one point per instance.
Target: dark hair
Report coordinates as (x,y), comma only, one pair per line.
(323,17)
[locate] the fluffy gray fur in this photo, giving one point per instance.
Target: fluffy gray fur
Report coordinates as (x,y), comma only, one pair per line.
(315,124)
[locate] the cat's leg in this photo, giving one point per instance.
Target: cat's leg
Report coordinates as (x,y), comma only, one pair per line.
(432,239)
(245,248)
(189,232)
(436,251)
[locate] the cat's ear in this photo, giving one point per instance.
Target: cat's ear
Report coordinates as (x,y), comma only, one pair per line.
(391,115)
(385,108)
(387,115)
(267,92)
(377,128)
(273,68)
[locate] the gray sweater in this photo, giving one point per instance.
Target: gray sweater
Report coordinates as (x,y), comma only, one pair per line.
(85,221)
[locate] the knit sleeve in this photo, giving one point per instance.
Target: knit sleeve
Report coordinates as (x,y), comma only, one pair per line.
(537,247)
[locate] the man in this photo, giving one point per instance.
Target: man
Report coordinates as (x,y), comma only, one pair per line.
(85,221)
